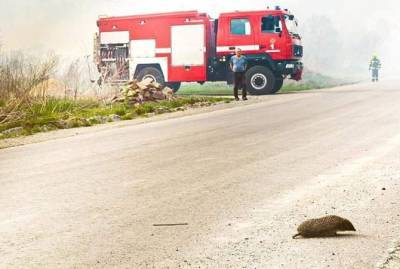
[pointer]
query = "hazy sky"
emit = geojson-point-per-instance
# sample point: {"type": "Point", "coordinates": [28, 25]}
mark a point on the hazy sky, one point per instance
{"type": "Point", "coordinates": [67, 26]}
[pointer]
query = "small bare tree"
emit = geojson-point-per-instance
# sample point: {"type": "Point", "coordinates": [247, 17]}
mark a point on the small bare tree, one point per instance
{"type": "Point", "coordinates": [73, 78]}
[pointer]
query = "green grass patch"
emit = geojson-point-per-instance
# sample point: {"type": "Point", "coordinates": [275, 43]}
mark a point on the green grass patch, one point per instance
{"type": "Point", "coordinates": [297, 87]}
{"type": "Point", "coordinates": [53, 113]}
{"type": "Point", "coordinates": [311, 81]}
{"type": "Point", "coordinates": [221, 89]}
{"type": "Point", "coordinates": [226, 90]}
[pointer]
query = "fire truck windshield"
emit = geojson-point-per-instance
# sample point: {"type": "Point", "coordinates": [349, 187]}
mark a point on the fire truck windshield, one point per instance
{"type": "Point", "coordinates": [291, 25]}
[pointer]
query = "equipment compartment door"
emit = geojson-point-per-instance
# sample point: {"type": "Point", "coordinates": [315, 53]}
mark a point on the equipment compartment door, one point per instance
{"type": "Point", "coordinates": [188, 47]}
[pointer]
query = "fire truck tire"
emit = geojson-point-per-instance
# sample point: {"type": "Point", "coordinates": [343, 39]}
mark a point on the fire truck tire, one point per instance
{"type": "Point", "coordinates": [278, 85]}
{"type": "Point", "coordinates": [151, 72]}
{"type": "Point", "coordinates": [175, 86]}
{"type": "Point", "coordinates": [260, 80]}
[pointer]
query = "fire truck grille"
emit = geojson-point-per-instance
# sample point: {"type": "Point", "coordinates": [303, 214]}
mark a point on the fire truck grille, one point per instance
{"type": "Point", "coordinates": [298, 51]}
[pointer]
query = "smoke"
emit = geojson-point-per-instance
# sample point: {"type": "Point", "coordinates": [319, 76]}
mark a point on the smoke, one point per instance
{"type": "Point", "coordinates": [333, 51]}
{"type": "Point", "coordinates": [339, 36]}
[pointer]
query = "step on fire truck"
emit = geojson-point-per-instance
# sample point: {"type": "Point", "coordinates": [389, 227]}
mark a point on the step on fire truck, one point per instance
{"type": "Point", "coordinates": [172, 48]}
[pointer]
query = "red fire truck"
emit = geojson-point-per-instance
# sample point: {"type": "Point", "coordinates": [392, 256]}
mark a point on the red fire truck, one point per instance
{"type": "Point", "coordinates": [189, 46]}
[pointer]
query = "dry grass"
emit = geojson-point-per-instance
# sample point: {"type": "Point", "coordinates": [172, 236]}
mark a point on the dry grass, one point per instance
{"type": "Point", "coordinates": [19, 76]}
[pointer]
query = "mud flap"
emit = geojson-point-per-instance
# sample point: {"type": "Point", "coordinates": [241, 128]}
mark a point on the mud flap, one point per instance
{"type": "Point", "coordinates": [298, 75]}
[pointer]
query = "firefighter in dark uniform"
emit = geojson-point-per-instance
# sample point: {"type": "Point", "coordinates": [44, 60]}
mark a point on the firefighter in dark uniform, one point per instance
{"type": "Point", "coordinates": [374, 66]}
{"type": "Point", "coordinates": [238, 66]}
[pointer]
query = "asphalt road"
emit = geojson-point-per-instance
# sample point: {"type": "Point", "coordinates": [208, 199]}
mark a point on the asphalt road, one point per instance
{"type": "Point", "coordinates": [242, 179]}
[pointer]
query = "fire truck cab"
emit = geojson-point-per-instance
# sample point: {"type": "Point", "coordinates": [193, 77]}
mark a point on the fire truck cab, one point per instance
{"type": "Point", "coordinates": [172, 48]}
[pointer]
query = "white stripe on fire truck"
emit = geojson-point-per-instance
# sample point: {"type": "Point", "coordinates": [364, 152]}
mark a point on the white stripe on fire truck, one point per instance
{"type": "Point", "coordinates": [169, 50]}
{"type": "Point", "coordinates": [222, 49]}
{"type": "Point", "coordinates": [232, 48]}
{"type": "Point", "coordinates": [163, 50]}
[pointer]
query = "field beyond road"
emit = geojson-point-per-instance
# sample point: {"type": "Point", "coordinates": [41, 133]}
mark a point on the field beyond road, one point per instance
{"type": "Point", "coordinates": [240, 180]}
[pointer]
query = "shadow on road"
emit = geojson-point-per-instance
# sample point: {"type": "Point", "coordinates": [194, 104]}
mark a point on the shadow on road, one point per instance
{"type": "Point", "coordinates": [338, 236]}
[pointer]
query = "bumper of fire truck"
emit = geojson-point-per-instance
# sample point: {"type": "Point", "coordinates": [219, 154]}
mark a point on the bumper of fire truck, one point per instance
{"type": "Point", "coordinates": [293, 69]}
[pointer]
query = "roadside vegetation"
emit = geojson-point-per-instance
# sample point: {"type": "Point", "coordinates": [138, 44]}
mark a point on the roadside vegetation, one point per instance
{"type": "Point", "coordinates": [312, 81]}
{"type": "Point", "coordinates": [45, 115]}
{"type": "Point", "coordinates": [26, 108]}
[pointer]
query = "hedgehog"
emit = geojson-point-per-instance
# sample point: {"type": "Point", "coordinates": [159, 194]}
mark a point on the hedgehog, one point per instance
{"type": "Point", "coordinates": [324, 227]}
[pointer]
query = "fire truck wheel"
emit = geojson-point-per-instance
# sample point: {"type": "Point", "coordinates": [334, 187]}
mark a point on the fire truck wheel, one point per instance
{"type": "Point", "coordinates": [153, 73]}
{"type": "Point", "coordinates": [175, 86]}
{"type": "Point", "coordinates": [278, 85]}
{"type": "Point", "coordinates": [260, 80]}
